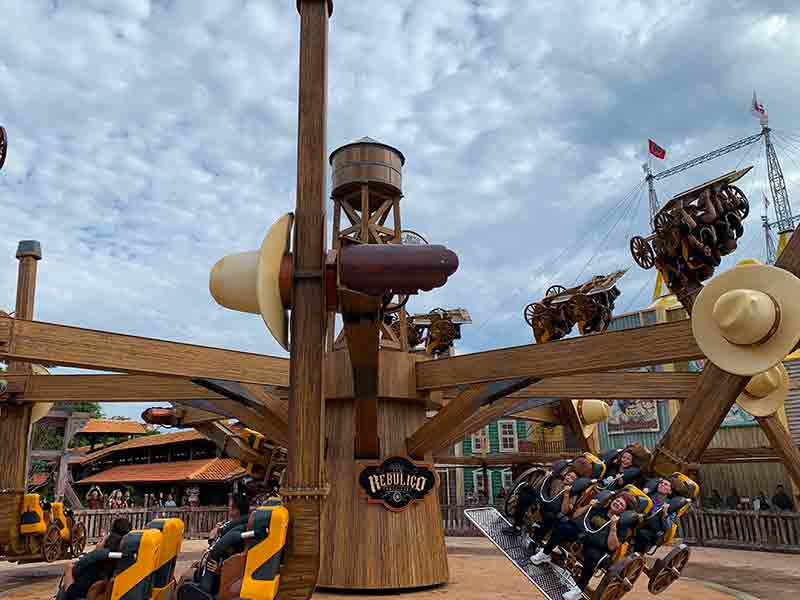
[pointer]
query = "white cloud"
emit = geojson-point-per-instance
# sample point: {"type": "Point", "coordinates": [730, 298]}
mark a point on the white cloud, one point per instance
{"type": "Point", "coordinates": [150, 138]}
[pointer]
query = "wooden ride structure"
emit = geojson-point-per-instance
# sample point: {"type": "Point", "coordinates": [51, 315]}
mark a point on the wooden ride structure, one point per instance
{"type": "Point", "coordinates": [350, 409]}
{"type": "Point", "coordinates": [692, 232]}
{"type": "Point", "coordinates": [589, 305]}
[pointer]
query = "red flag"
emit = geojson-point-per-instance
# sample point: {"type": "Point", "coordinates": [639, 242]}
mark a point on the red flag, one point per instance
{"type": "Point", "coordinates": [656, 150]}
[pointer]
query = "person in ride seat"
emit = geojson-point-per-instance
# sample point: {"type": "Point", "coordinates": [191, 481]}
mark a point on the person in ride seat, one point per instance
{"type": "Point", "coordinates": [658, 520]}
{"type": "Point", "coordinates": [621, 469]}
{"type": "Point", "coordinates": [94, 566]}
{"type": "Point", "coordinates": [238, 513]}
{"type": "Point", "coordinates": [553, 496]}
{"type": "Point", "coordinates": [599, 533]}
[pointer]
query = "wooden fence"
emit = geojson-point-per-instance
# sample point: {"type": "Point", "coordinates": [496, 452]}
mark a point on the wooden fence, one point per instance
{"type": "Point", "coordinates": [747, 530]}
{"type": "Point", "coordinates": [198, 522]}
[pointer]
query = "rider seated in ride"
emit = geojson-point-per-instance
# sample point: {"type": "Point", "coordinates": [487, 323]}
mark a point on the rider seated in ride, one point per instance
{"type": "Point", "coordinates": [552, 493]}
{"type": "Point", "coordinates": [659, 519]}
{"type": "Point", "coordinates": [94, 566]}
{"type": "Point", "coordinates": [622, 468]}
{"type": "Point", "coordinates": [598, 527]}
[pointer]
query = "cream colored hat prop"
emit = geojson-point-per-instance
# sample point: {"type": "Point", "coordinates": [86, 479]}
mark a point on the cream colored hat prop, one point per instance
{"type": "Point", "coordinates": [766, 392]}
{"type": "Point", "coordinates": [590, 413]}
{"type": "Point", "coordinates": [249, 281]}
{"type": "Point", "coordinates": [747, 319]}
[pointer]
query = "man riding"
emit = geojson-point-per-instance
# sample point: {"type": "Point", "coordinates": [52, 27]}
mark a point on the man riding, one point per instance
{"type": "Point", "coordinates": [658, 521]}
{"type": "Point", "coordinates": [600, 535]}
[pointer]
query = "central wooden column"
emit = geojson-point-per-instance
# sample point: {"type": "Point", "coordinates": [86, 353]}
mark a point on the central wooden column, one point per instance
{"type": "Point", "coordinates": [366, 546]}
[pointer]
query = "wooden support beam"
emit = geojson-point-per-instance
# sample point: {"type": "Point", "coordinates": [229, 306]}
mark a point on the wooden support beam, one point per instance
{"type": "Point", "coordinates": [363, 345]}
{"type": "Point", "coordinates": [618, 385]}
{"type": "Point", "coordinates": [48, 343]}
{"type": "Point", "coordinates": [304, 489]}
{"type": "Point", "coordinates": [651, 345]}
{"type": "Point", "coordinates": [710, 456]}
{"type": "Point", "coordinates": [109, 388]}
{"type": "Point", "coordinates": [16, 418]}
{"type": "Point", "coordinates": [783, 445]}
{"type": "Point", "coordinates": [437, 431]}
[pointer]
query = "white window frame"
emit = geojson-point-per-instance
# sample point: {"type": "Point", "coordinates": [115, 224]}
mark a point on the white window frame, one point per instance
{"type": "Point", "coordinates": [507, 479]}
{"type": "Point", "coordinates": [476, 475]}
{"type": "Point", "coordinates": [481, 434]}
{"type": "Point", "coordinates": [500, 436]}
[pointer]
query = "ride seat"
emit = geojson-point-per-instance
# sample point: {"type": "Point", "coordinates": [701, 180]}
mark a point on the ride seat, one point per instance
{"type": "Point", "coordinates": [171, 541]}
{"type": "Point", "coordinates": [59, 517]}
{"type": "Point", "coordinates": [32, 521]}
{"type": "Point", "coordinates": [137, 563]}
{"type": "Point", "coordinates": [262, 571]}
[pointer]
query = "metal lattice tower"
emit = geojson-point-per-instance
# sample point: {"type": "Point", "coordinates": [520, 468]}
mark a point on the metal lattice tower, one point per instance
{"type": "Point", "coordinates": [772, 254]}
{"type": "Point", "coordinates": [651, 189]}
{"type": "Point", "coordinates": [777, 185]}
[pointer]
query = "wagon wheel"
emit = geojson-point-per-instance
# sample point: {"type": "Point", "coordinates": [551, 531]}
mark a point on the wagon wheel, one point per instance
{"type": "Point", "coordinates": [77, 541]}
{"type": "Point", "coordinates": [390, 307]}
{"type": "Point", "coordinates": [669, 569]}
{"type": "Point", "coordinates": [738, 201]}
{"type": "Point", "coordinates": [735, 224]}
{"type": "Point", "coordinates": [51, 544]}
{"type": "Point", "coordinates": [642, 253]}
{"type": "Point", "coordinates": [609, 588]}
{"type": "Point", "coordinates": [554, 290]}
{"type": "Point", "coordinates": [526, 478]}
{"type": "Point", "coordinates": [3, 146]}
{"type": "Point", "coordinates": [533, 311]}
{"type": "Point", "coordinates": [662, 222]}
{"type": "Point", "coordinates": [632, 568]}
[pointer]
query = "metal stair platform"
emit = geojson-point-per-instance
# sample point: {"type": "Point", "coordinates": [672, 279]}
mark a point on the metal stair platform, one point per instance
{"type": "Point", "coordinates": [550, 580]}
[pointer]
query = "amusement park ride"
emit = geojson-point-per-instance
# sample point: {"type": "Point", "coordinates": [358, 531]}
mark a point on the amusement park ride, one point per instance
{"type": "Point", "coordinates": [358, 481]}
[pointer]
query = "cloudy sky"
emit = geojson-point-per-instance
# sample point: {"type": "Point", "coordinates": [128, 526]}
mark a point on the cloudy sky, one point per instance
{"type": "Point", "coordinates": [150, 138]}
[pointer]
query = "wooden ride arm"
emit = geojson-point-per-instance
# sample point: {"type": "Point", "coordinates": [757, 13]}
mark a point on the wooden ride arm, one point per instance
{"type": "Point", "coordinates": [643, 346]}
{"type": "Point", "coordinates": [48, 343]}
{"type": "Point", "coordinates": [701, 415]}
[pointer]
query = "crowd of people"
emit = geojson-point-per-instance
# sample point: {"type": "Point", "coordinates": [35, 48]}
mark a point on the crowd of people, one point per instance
{"type": "Point", "coordinates": [116, 499]}
{"type": "Point", "coordinates": [780, 501]}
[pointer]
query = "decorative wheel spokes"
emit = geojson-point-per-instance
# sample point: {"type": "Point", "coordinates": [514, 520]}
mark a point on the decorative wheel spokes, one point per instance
{"type": "Point", "coordinates": [662, 222]}
{"type": "Point", "coordinates": [78, 542]}
{"type": "Point", "coordinates": [533, 311]}
{"type": "Point", "coordinates": [51, 544]}
{"type": "Point", "coordinates": [554, 290]}
{"type": "Point", "coordinates": [642, 252]}
{"type": "Point", "coordinates": [738, 201]}
{"type": "Point", "coordinates": [671, 569]}
{"type": "Point", "coordinates": [610, 588]}
{"type": "Point", "coordinates": [632, 570]}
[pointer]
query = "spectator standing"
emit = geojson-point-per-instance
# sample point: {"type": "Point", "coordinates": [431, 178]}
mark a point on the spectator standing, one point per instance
{"type": "Point", "coordinates": [732, 501]}
{"type": "Point", "coordinates": [781, 500]}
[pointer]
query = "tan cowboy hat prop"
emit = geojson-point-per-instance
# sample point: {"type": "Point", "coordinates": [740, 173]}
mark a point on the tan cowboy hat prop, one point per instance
{"type": "Point", "coordinates": [747, 319]}
{"type": "Point", "coordinates": [766, 392]}
{"type": "Point", "coordinates": [590, 413]}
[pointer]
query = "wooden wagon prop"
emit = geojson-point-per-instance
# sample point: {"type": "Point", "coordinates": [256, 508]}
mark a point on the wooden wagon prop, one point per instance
{"type": "Point", "coordinates": [693, 231]}
{"type": "Point", "coordinates": [437, 329]}
{"type": "Point", "coordinates": [589, 305]}
{"type": "Point", "coordinates": [32, 530]}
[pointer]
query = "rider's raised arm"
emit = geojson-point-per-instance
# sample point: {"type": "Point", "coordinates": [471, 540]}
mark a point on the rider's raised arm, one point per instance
{"type": "Point", "coordinates": [613, 539]}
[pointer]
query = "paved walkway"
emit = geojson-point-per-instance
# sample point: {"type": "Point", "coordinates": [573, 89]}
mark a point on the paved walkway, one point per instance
{"type": "Point", "coordinates": [479, 572]}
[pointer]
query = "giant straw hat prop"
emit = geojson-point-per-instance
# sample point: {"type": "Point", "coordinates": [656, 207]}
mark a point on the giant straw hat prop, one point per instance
{"type": "Point", "coordinates": [766, 392]}
{"type": "Point", "coordinates": [747, 319]}
{"type": "Point", "coordinates": [590, 413]}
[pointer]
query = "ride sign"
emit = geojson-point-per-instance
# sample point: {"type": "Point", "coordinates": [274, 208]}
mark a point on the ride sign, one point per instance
{"type": "Point", "coordinates": [396, 482]}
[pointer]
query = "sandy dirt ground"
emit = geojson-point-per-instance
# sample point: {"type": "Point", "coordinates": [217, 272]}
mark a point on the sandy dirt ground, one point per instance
{"type": "Point", "coordinates": [479, 572]}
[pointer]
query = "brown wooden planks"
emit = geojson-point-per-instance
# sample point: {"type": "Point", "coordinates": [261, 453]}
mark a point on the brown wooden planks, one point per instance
{"type": "Point", "coordinates": [113, 388]}
{"type": "Point", "coordinates": [655, 344]}
{"type": "Point", "coordinates": [783, 445]}
{"type": "Point", "coordinates": [48, 343]}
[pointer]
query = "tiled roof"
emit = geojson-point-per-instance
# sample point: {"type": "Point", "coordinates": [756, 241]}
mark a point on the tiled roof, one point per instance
{"type": "Point", "coordinates": [209, 469]}
{"type": "Point", "coordinates": [190, 435]}
{"type": "Point", "coordinates": [111, 426]}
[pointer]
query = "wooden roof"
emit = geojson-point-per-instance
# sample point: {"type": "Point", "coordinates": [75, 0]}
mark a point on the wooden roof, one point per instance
{"type": "Point", "coordinates": [113, 427]}
{"type": "Point", "coordinates": [147, 441]}
{"type": "Point", "coordinates": [209, 470]}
